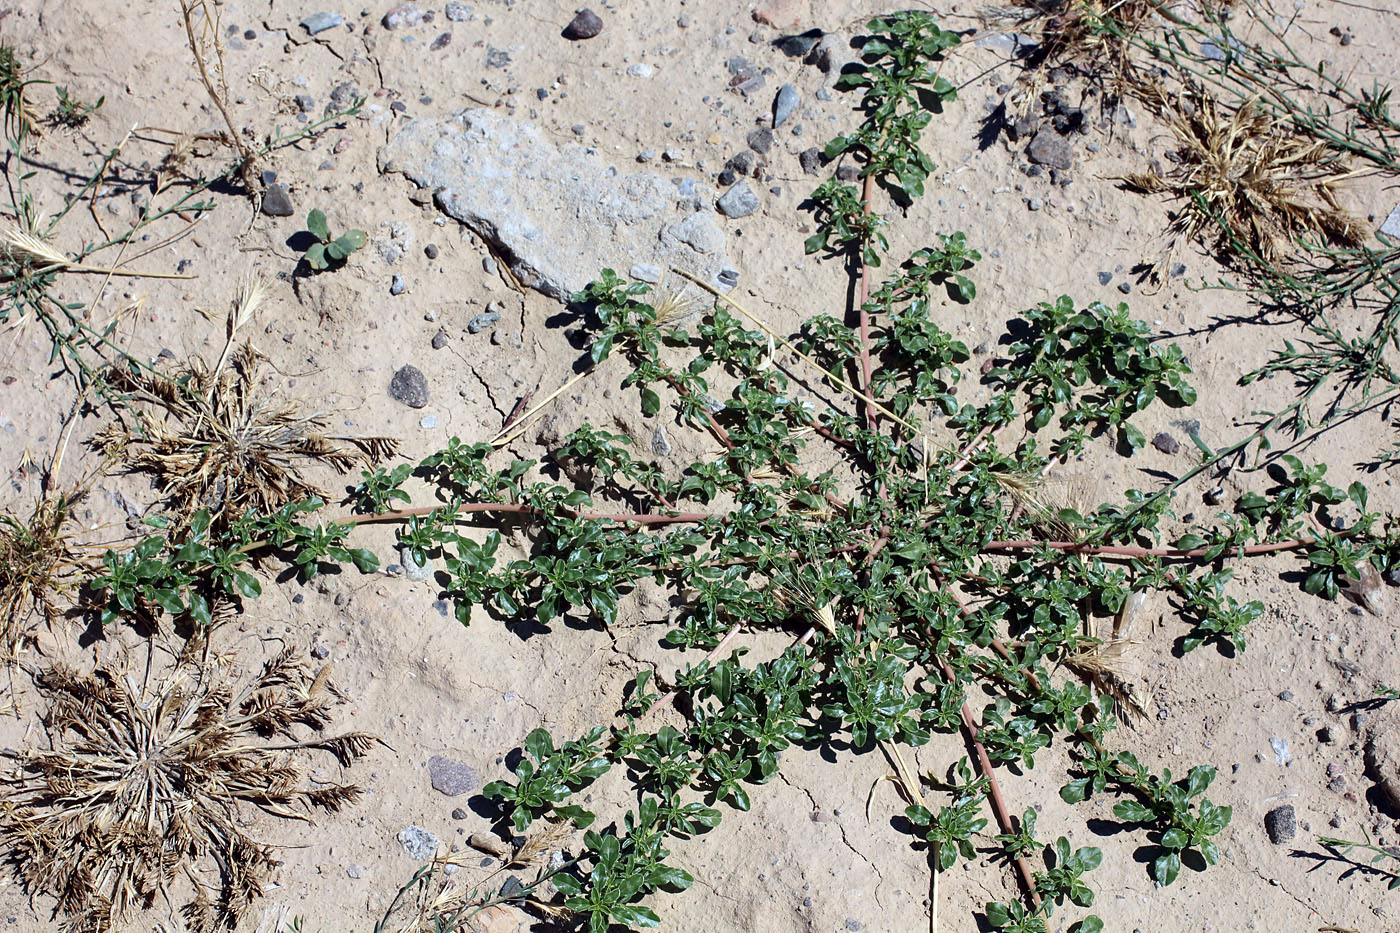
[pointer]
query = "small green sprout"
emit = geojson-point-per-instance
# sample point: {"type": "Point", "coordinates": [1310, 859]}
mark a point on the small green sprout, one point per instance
{"type": "Point", "coordinates": [328, 251]}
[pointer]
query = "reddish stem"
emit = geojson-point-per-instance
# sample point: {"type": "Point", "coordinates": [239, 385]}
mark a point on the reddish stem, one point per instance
{"type": "Point", "coordinates": [1119, 550]}
{"type": "Point", "coordinates": [518, 508]}
{"type": "Point", "coordinates": [871, 418]}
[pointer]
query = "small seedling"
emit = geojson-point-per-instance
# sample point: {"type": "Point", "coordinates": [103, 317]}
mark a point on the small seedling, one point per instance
{"type": "Point", "coordinates": [72, 112]}
{"type": "Point", "coordinates": [328, 251]}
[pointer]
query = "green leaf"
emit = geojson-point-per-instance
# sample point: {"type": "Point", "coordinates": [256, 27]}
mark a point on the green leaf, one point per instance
{"type": "Point", "coordinates": [651, 402]}
{"type": "Point", "coordinates": [353, 240]}
{"type": "Point", "coordinates": [1131, 811]}
{"type": "Point", "coordinates": [316, 256]}
{"type": "Point", "coordinates": [1166, 868]}
{"type": "Point", "coordinates": [316, 223]}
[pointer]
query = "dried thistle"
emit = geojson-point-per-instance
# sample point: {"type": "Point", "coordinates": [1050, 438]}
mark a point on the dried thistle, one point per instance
{"type": "Point", "coordinates": [39, 566]}
{"type": "Point", "coordinates": [1247, 180]}
{"type": "Point", "coordinates": [214, 443]}
{"type": "Point", "coordinates": [146, 783]}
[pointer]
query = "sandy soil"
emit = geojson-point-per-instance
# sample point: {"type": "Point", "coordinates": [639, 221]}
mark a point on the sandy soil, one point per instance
{"type": "Point", "coordinates": [809, 856]}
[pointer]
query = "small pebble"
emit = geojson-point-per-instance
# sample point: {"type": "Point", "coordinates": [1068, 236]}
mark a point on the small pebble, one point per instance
{"type": "Point", "coordinates": [396, 285]}
{"type": "Point", "coordinates": [421, 844]}
{"type": "Point", "coordinates": [646, 155]}
{"type": "Point", "coordinates": [409, 386]}
{"type": "Point", "coordinates": [354, 871]}
{"type": "Point", "coordinates": [452, 777]}
{"type": "Point", "coordinates": [277, 201]}
{"type": "Point", "coordinates": [402, 16]}
{"type": "Point", "coordinates": [760, 140]}
{"type": "Point", "coordinates": [482, 321]}
{"type": "Point", "coordinates": [1165, 443]}
{"type": "Point", "coordinates": [645, 272]}
{"type": "Point", "coordinates": [585, 25]}
{"type": "Point", "coordinates": [784, 104]}
{"type": "Point", "coordinates": [320, 652]}
{"type": "Point", "coordinates": [428, 422]}
{"type": "Point", "coordinates": [458, 12]}
{"type": "Point", "coordinates": [439, 340]}
{"type": "Point", "coordinates": [1281, 824]}
{"type": "Point", "coordinates": [641, 70]}
{"type": "Point", "coordinates": [738, 201]}
{"type": "Point", "coordinates": [1105, 278]}
{"type": "Point", "coordinates": [660, 444]}
{"type": "Point", "coordinates": [1034, 204]}
{"type": "Point", "coordinates": [320, 22]}
{"type": "Point", "coordinates": [1125, 287]}
{"type": "Point", "coordinates": [431, 251]}
{"type": "Point", "coordinates": [441, 42]}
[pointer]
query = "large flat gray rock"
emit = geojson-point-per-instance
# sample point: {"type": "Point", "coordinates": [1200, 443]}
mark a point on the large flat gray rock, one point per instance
{"type": "Point", "coordinates": [557, 212]}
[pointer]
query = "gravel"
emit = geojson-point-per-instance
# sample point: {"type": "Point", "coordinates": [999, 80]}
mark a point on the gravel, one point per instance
{"type": "Point", "coordinates": [1050, 149]}
{"type": "Point", "coordinates": [409, 386]}
{"type": "Point", "coordinates": [760, 140]}
{"type": "Point", "coordinates": [811, 160]}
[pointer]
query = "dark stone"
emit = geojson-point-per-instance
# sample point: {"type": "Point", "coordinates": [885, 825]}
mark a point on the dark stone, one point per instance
{"type": "Point", "coordinates": [1105, 278]}
{"type": "Point", "coordinates": [744, 163]}
{"type": "Point", "coordinates": [439, 340]}
{"type": "Point", "coordinates": [1166, 443]}
{"type": "Point", "coordinates": [431, 251]}
{"type": "Point", "coordinates": [739, 201]}
{"type": "Point", "coordinates": [277, 201]}
{"type": "Point", "coordinates": [848, 172]}
{"type": "Point", "coordinates": [727, 177]}
{"type": "Point", "coordinates": [760, 140]}
{"type": "Point", "coordinates": [585, 25]}
{"type": "Point", "coordinates": [1281, 824]}
{"type": "Point", "coordinates": [320, 652]}
{"type": "Point", "coordinates": [798, 45]}
{"type": "Point", "coordinates": [811, 160]}
{"type": "Point", "coordinates": [409, 386]}
{"type": "Point", "coordinates": [459, 814]}
{"type": "Point", "coordinates": [1050, 149]}
{"type": "Point", "coordinates": [482, 321]}
{"type": "Point", "coordinates": [441, 42]}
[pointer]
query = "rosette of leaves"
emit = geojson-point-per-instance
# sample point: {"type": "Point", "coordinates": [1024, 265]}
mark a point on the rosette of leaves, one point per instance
{"type": "Point", "coordinates": [330, 251]}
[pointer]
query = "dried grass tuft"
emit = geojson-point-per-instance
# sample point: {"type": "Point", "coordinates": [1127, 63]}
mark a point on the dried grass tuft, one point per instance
{"type": "Point", "coordinates": [39, 567]}
{"type": "Point", "coordinates": [1247, 180]}
{"type": "Point", "coordinates": [1108, 664]}
{"type": "Point", "coordinates": [214, 442]}
{"type": "Point", "coordinates": [148, 783]}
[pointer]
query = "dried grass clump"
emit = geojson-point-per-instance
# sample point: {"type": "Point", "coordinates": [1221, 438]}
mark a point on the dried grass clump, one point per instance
{"type": "Point", "coordinates": [1108, 665]}
{"type": "Point", "coordinates": [39, 567]}
{"type": "Point", "coordinates": [147, 782]}
{"type": "Point", "coordinates": [1249, 182]}
{"type": "Point", "coordinates": [214, 442]}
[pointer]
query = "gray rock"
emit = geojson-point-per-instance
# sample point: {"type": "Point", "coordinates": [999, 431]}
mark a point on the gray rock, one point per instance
{"type": "Point", "coordinates": [320, 22]}
{"type": "Point", "coordinates": [441, 42]}
{"type": "Point", "coordinates": [646, 155]}
{"type": "Point", "coordinates": [697, 231]}
{"type": "Point", "coordinates": [784, 104]}
{"type": "Point", "coordinates": [645, 272]}
{"type": "Point", "coordinates": [459, 814]}
{"type": "Point", "coordinates": [585, 25]}
{"type": "Point", "coordinates": [1034, 204]}
{"type": "Point", "coordinates": [529, 197]}
{"type": "Point", "coordinates": [497, 58]}
{"type": "Point", "coordinates": [409, 386]}
{"type": "Point", "coordinates": [439, 340]}
{"type": "Point", "coordinates": [739, 201]}
{"type": "Point", "coordinates": [811, 160]}
{"type": "Point", "coordinates": [418, 842]}
{"type": "Point", "coordinates": [458, 12]}
{"type": "Point", "coordinates": [831, 54]}
{"type": "Point", "coordinates": [1215, 48]}
{"type": "Point", "coordinates": [1281, 823]}
{"type": "Point", "coordinates": [760, 140]}
{"type": "Point", "coordinates": [1105, 277]}
{"type": "Point", "coordinates": [1050, 148]}
{"type": "Point", "coordinates": [660, 444]}
{"type": "Point", "coordinates": [402, 17]}
{"type": "Point", "coordinates": [320, 652]}
{"type": "Point", "coordinates": [1165, 443]}
{"type": "Point", "coordinates": [482, 321]}
{"type": "Point", "coordinates": [305, 103]}
{"type": "Point", "coordinates": [354, 871]}
{"type": "Point", "coordinates": [412, 569]}
{"type": "Point", "coordinates": [452, 777]}
{"type": "Point", "coordinates": [277, 201]}
{"type": "Point", "coordinates": [742, 163]}
{"type": "Point", "coordinates": [641, 70]}
{"type": "Point", "coordinates": [1391, 227]}
{"type": "Point", "coordinates": [427, 422]}
{"type": "Point", "coordinates": [396, 284]}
